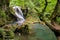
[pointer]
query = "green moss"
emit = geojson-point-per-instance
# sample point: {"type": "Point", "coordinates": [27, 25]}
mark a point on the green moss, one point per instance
{"type": "Point", "coordinates": [2, 13]}
{"type": "Point", "coordinates": [2, 31]}
{"type": "Point", "coordinates": [9, 34]}
{"type": "Point", "coordinates": [6, 33]}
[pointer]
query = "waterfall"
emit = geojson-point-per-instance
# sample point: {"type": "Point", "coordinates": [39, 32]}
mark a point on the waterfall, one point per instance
{"type": "Point", "coordinates": [19, 15]}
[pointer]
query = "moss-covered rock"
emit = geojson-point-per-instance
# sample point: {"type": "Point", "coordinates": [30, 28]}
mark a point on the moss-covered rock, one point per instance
{"type": "Point", "coordinates": [6, 33]}
{"type": "Point", "coordinates": [9, 34]}
{"type": "Point", "coordinates": [2, 33]}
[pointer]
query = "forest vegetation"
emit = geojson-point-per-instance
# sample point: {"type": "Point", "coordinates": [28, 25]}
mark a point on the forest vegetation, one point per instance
{"type": "Point", "coordinates": [44, 12]}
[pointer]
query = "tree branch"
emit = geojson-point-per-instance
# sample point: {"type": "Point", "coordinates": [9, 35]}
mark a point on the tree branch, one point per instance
{"type": "Point", "coordinates": [41, 15]}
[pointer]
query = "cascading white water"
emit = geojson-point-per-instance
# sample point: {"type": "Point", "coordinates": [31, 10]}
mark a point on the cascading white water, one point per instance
{"type": "Point", "coordinates": [19, 15]}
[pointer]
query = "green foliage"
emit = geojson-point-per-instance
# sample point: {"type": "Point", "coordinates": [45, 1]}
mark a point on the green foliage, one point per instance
{"type": "Point", "coordinates": [17, 3]}
{"type": "Point", "coordinates": [36, 7]}
{"type": "Point", "coordinates": [9, 34]}
{"type": "Point", "coordinates": [58, 20]}
{"type": "Point", "coordinates": [38, 4]}
{"type": "Point", "coordinates": [51, 6]}
{"type": "Point", "coordinates": [2, 14]}
{"type": "Point", "coordinates": [2, 32]}
{"type": "Point", "coordinates": [5, 33]}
